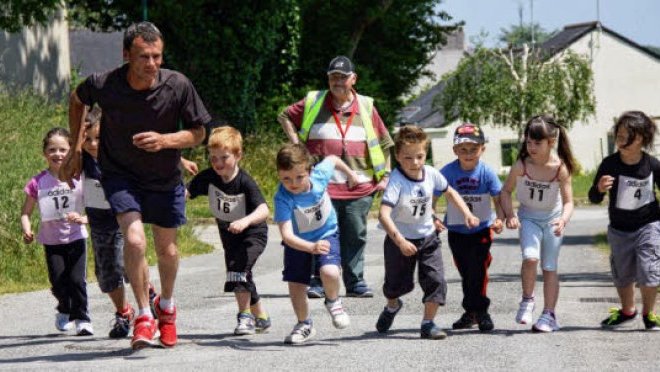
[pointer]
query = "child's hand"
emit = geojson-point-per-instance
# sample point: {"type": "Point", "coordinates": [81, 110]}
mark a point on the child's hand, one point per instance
{"type": "Point", "coordinates": [382, 184]}
{"type": "Point", "coordinates": [321, 247]}
{"type": "Point", "coordinates": [352, 179]}
{"type": "Point", "coordinates": [407, 248]}
{"type": "Point", "coordinates": [512, 223]}
{"type": "Point", "coordinates": [559, 224]}
{"type": "Point", "coordinates": [497, 226]}
{"type": "Point", "coordinates": [28, 237]}
{"type": "Point", "coordinates": [439, 226]}
{"type": "Point", "coordinates": [75, 217]}
{"type": "Point", "coordinates": [471, 221]}
{"type": "Point", "coordinates": [605, 183]}
{"type": "Point", "coordinates": [238, 226]}
{"type": "Point", "coordinates": [189, 166]}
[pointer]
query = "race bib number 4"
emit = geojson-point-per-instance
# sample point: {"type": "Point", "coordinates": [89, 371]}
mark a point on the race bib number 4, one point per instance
{"type": "Point", "coordinates": [479, 206]}
{"type": "Point", "coordinates": [313, 217]}
{"type": "Point", "coordinates": [94, 195]}
{"type": "Point", "coordinates": [55, 203]}
{"type": "Point", "coordinates": [225, 207]}
{"type": "Point", "coordinates": [634, 193]}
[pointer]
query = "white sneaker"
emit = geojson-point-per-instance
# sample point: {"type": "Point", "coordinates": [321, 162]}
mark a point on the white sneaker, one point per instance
{"type": "Point", "coordinates": [62, 322]}
{"type": "Point", "coordinates": [301, 333]}
{"type": "Point", "coordinates": [546, 323]}
{"type": "Point", "coordinates": [339, 317]}
{"type": "Point", "coordinates": [84, 328]}
{"type": "Point", "coordinates": [245, 324]}
{"type": "Point", "coordinates": [525, 312]}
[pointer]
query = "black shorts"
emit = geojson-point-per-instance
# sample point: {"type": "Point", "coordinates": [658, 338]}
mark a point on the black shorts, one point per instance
{"type": "Point", "coordinates": [241, 253]}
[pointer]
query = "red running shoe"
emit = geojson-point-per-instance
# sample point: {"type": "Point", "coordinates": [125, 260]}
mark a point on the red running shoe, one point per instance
{"type": "Point", "coordinates": [143, 332]}
{"type": "Point", "coordinates": [166, 324]}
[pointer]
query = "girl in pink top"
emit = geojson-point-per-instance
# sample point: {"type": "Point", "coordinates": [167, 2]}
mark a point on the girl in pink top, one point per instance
{"type": "Point", "coordinates": [61, 232]}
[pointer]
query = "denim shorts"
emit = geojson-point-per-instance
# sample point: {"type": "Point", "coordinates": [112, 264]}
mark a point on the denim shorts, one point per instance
{"type": "Point", "coordinates": [162, 208]}
{"type": "Point", "coordinates": [537, 238]}
{"type": "Point", "coordinates": [298, 264]}
{"type": "Point", "coordinates": [108, 258]}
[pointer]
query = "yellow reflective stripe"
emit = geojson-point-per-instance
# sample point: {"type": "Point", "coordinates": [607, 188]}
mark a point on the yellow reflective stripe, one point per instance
{"type": "Point", "coordinates": [375, 152]}
{"type": "Point", "coordinates": [313, 102]}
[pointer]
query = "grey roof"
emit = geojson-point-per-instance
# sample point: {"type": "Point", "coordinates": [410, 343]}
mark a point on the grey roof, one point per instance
{"type": "Point", "coordinates": [95, 51]}
{"type": "Point", "coordinates": [421, 111]}
{"type": "Point", "coordinates": [572, 33]}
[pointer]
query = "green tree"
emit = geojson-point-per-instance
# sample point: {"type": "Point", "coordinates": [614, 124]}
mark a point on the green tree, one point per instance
{"type": "Point", "coordinates": [248, 58]}
{"type": "Point", "coordinates": [517, 35]}
{"type": "Point", "coordinates": [506, 88]}
{"type": "Point", "coordinates": [14, 14]}
{"type": "Point", "coordinates": [389, 42]}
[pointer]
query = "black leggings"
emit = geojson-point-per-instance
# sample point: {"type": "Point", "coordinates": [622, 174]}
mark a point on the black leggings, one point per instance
{"type": "Point", "coordinates": [67, 265]}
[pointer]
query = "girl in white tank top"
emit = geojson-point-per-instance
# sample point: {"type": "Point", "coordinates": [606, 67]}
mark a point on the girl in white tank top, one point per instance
{"type": "Point", "coordinates": [542, 181]}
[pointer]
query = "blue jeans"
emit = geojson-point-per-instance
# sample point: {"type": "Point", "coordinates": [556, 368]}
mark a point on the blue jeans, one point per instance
{"type": "Point", "coordinates": [352, 220]}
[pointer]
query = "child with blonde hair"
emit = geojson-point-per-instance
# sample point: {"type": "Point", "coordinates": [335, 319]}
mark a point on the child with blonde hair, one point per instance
{"type": "Point", "coordinates": [240, 211]}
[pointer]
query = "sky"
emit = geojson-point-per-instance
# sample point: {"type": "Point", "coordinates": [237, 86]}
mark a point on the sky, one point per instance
{"type": "Point", "coordinates": [638, 20]}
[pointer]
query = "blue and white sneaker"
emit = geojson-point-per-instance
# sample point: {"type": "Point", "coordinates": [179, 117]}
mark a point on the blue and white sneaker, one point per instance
{"type": "Point", "coordinates": [62, 322]}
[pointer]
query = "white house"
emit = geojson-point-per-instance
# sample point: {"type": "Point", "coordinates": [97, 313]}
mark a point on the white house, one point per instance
{"type": "Point", "coordinates": [626, 77]}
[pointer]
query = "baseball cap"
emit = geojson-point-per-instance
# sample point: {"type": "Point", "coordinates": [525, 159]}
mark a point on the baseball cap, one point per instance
{"type": "Point", "coordinates": [341, 64]}
{"type": "Point", "coordinates": [469, 133]}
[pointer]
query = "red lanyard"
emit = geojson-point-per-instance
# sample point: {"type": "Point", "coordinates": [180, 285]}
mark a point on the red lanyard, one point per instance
{"type": "Point", "coordinates": [348, 123]}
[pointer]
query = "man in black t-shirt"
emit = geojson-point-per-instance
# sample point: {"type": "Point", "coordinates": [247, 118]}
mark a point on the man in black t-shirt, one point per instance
{"type": "Point", "coordinates": [139, 156]}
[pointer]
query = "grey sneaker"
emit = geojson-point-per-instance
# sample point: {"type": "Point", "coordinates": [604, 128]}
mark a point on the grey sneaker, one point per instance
{"type": "Point", "coordinates": [302, 332]}
{"type": "Point", "coordinates": [432, 332]}
{"type": "Point", "coordinates": [262, 325]}
{"type": "Point", "coordinates": [245, 324]}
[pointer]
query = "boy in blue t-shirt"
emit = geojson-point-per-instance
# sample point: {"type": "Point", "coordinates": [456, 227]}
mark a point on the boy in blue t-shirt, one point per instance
{"type": "Point", "coordinates": [308, 225]}
{"type": "Point", "coordinates": [478, 184]}
{"type": "Point", "coordinates": [406, 214]}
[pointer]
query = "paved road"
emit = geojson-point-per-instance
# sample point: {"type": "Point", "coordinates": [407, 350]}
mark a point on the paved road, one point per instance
{"type": "Point", "coordinates": [207, 318]}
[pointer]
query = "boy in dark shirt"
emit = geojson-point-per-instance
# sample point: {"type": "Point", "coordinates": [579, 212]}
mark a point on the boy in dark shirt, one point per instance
{"type": "Point", "coordinates": [240, 211]}
{"type": "Point", "coordinates": [629, 176]}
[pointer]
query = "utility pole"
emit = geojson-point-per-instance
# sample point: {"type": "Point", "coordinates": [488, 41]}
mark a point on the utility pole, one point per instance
{"type": "Point", "coordinates": [531, 22]}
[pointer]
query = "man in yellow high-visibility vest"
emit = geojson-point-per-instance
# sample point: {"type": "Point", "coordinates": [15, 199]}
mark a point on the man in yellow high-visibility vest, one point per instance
{"type": "Point", "coordinates": [341, 122]}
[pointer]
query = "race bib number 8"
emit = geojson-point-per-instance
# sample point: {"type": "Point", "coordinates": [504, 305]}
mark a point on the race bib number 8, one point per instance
{"type": "Point", "coordinates": [634, 193]}
{"type": "Point", "coordinates": [479, 206]}
{"type": "Point", "coordinates": [55, 203]}
{"type": "Point", "coordinates": [225, 207]}
{"type": "Point", "coordinates": [313, 217]}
